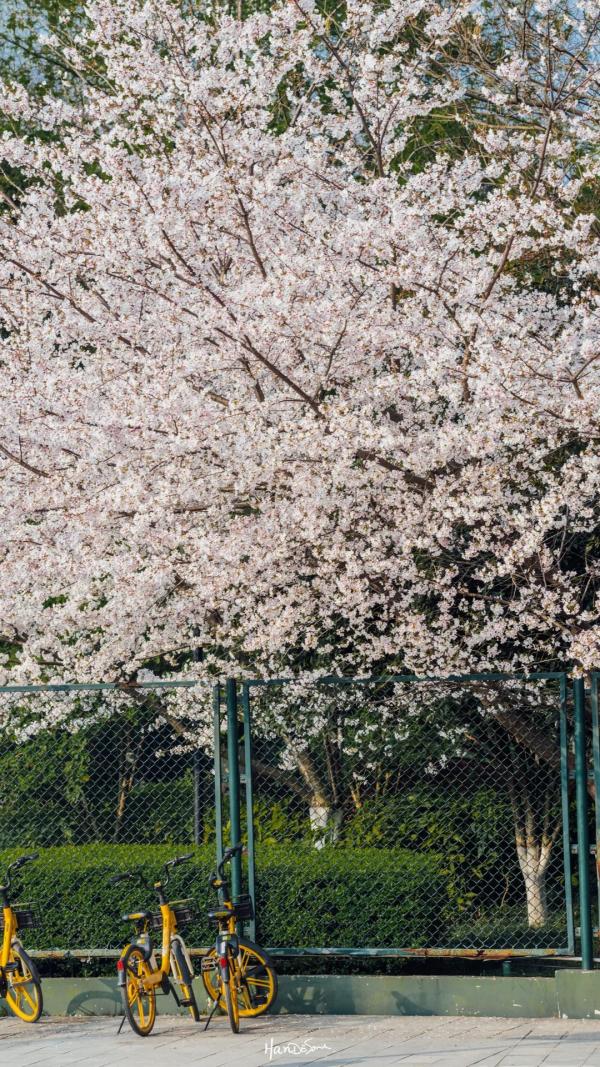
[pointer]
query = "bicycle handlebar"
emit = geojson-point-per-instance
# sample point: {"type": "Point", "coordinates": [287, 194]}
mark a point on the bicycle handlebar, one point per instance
{"type": "Point", "coordinates": [17, 864]}
{"type": "Point", "coordinates": [174, 863]}
{"type": "Point", "coordinates": [227, 856]}
{"type": "Point", "coordinates": [178, 860]}
{"type": "Point", "coordinates": [118, 878]}
{"type": "Point", "coordinates": [126, 876]}
{"type": "Point", "coordinates": [22, 861]}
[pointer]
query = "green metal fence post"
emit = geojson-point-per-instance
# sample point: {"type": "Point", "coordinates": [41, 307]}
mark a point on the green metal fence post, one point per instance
{"type": "Point", "coordinates": [233, 775]}
{"type": "Point", "coordinates": [596, 752]}
{"type": "Point", "coordinates": [197, 779]}
{"type": "Point", "coordinates": [218, 774]}
{"type": "Point", "coordinates": [251, 926]}
{"type": "Point", "coordinates": [583, 843]}
{"type": "Point", "coordinates": [564, 734]}
{"type": "Point", "coordinates": [197, 776]}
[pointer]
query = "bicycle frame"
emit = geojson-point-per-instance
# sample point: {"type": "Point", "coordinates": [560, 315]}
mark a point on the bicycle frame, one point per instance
{"type": "Point", "coordinates": [9, 917]}
{"type": "Point", "coordinates": [9, 937]}
{"type": "Point", "coordinates": [234, 961]}
{"type": "Point", "coordinates": [227, 934]}
{"type": "Point", "coordinates": [20, 983]}
{"type": "Point", "coordinates": [158, 975]}
{"type": "Point", "coordinates": [140, 977]}
{"type": "Point", "coordinates": [144, 941]}
{"type": "Point", "coordinates": [229, 927]}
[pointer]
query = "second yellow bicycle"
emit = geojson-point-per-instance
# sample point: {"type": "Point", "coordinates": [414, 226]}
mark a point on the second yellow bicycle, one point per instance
{"type": "Point", "coordinates": [238, 974]}
{"type": "Point", "coordinates": [140, 975]}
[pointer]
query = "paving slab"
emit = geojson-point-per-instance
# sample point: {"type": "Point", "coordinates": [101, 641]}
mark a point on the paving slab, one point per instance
{"type": "Point", "coordinates": [288, 1040]}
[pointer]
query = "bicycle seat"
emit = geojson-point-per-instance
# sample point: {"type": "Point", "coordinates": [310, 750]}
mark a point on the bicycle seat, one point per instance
{"type": "Point", "coordinates": [137, 915]}
{"type": "Point", "coordinates": [220, 913]}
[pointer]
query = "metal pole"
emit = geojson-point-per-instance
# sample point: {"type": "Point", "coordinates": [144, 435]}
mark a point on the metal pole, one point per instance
{"type": "Point", "coordinates": [249, 802]}
{"type": "Point", "coordinates": [234, 781]}
{"type": "Point", "coordinates": [197, 798]}
{"type": "Point", "coordinates": [596, 751]}
{"type": "Point", "coordinates": [218, 775]}
{"type": "Point", "coordinates": [565, 807]}
{"type": "Point", "coordinates": [197, 777]}
{"type": "Point", "coordinates": [583, 843]}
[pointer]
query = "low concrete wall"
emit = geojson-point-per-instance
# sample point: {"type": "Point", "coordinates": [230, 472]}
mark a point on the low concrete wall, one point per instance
{"type": "Point", "coordinates": [578, 994]}
{"type": "Point", "coordinates": [419, 995]}
{"type": "Point", "coordinates": [568, 994]}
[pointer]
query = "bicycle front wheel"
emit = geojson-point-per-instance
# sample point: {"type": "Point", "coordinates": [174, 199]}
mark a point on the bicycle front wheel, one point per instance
{"type": "Point", "coordinates": [258, 981]}
{"type": "Point", "coordinates": [24, 988]}
{"type": "Point", "coordinates": [139, 998]}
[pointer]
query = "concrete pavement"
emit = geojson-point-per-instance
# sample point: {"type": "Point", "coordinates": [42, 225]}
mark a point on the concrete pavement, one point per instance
{"type": "Point", "coordinates": [331, 1040]}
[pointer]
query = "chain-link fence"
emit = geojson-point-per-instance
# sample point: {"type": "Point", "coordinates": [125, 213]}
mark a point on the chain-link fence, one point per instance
{"type": "Point", "coordinates": [383, 816]}
{"type": "Point", "coordinates": [100, 779]}
{"type": "Point", "coordinates": [424, 816]}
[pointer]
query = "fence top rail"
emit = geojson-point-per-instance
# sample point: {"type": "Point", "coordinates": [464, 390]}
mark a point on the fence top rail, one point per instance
{"type": "Point", "coordinates": [97, 687]}
{"type": "Point", "coordinates": [331, 679]}
{"type": "Point", "coordinates": [293, 951]}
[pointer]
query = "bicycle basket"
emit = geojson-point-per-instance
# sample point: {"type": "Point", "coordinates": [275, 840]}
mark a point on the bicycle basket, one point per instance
{"type": "Point", "coordinates": [26, 916]}
{"type": "Point", "coordinates": [184, 911]}
{"type": "Point", "coordinates": [156, 921]}
{"type": "Point", "coordinates": [243, 907]}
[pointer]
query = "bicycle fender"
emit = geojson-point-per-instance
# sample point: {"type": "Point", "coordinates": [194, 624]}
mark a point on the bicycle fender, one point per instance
{"type": "Point", "coordinates": [258, 948]}
{"type": "Point", "coordinates": [189, 977]}
{"type": "Point", "coordinates": [227, 941]}
{"type": "Point", "coordinates": [145, 944]}
{"type": "Point", "coordinates": [121, 979]}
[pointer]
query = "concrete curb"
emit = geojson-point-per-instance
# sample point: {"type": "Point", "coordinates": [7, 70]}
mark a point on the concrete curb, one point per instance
{"type": "Point", "coordinates": [569, 994]}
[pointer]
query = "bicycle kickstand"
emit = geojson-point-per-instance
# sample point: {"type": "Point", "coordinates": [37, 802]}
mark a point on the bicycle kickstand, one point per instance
{"type": "Point", "coordinates": [121, 1025]}
{"type": "Point", "coordinates": [214, 1008]}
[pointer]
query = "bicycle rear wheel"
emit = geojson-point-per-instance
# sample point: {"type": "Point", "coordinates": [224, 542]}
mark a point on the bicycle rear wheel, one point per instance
{"type": "Point", "coordinates": [258, 980]}
{"type": "Point", "coordinates": [139, 999]}
{"type": "Point", "coordinates": [24, 988]}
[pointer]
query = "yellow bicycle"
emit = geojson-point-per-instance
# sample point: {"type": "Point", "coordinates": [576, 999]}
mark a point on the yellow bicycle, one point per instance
{"type": "Point", "coordinates": [140, 976]}
{"type": "Point", "coordinates": [238, 975]}
{"type": "Point", "coordinates": [20, 983]}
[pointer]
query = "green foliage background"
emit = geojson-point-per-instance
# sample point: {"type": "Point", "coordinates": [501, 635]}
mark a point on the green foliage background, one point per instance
{"type": "Point", "coordinates": [307, 896]}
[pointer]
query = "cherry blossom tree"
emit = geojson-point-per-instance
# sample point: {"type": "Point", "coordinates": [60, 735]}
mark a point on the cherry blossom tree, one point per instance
{"type": "Point", "coordinates": [300, 339]}
{"type": "Point", "coordinates": [341, 751]}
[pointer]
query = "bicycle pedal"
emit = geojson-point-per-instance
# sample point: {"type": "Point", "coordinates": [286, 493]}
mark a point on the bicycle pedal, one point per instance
{"type": "Point", "coordinates": [208, 965]}
{"type": "Point", "coordinates": [184, 1003]}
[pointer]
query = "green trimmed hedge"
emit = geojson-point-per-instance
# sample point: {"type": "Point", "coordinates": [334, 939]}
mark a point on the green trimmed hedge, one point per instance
{"type": "Point", "coordinates": [349, 897]}
{"type": "Point", "coordinates": [306, 897]}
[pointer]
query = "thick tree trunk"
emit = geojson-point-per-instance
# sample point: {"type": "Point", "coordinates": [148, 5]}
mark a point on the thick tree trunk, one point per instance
{"type": "Point", "coordinates": [325, 823]}
{"type": "Point", "coordinates": [535, 837]}
{"type": "Point", "coordinates": [125, 787]}
{"type": "Point", "coordinates": [325, 817]}
{"type": "Point", "coordinates": [533, 866]}
{"type": "Point", "coordinates": [127, 777]}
